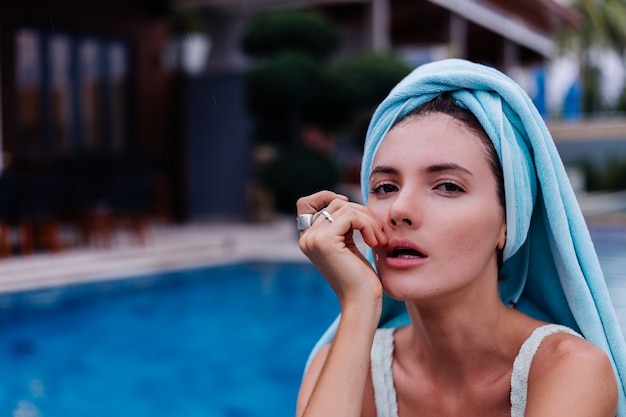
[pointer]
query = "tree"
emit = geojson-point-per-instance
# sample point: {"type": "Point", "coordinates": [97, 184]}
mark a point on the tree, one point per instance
{"type": "Point", "coordinates": [299, 98]}
{"type": "Point", "coordinates": [366, 79]}
{"type": "Point", "coordinates": [290, 85]}
{"type": "Point", "coordinates": [603, 29]}
{"type": "Point", "coordinates": [273, 33]}
{"type": "Point", "coordinates": [289, 88]}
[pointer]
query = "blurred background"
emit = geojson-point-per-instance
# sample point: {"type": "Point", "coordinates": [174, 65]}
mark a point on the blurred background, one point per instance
{"type": "Point", "coordinates": [189, 128]}
{"type": "Point", "coordinates": [121, 113]}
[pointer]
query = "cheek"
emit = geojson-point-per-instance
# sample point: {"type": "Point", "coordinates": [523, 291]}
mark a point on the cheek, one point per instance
{"type": "Point", "coordinates": [460, 239]}
{"type": "Point", "coordinates": [477, 232]}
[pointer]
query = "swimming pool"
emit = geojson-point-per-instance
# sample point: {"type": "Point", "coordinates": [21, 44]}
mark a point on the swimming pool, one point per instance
{"type": "Point", "coordinates": [227, 341]}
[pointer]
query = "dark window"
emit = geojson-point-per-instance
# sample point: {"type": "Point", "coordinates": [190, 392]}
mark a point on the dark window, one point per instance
{"type": "Point", "coordinates": [71, 92]}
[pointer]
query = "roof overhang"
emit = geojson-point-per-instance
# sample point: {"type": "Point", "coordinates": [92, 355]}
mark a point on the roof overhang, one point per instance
{"type": "Point", "coordinates": [496, 19]}
{"type": "Point", "coordinates": [253, 5]}
{"type": "Point", "coordinates": [507, 26]}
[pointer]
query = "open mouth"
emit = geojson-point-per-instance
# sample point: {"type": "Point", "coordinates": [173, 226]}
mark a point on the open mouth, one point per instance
{"type": "Point", "coordinates": [406, 253]}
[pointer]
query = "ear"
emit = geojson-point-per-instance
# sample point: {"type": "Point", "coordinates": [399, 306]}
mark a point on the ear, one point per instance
{"type": "Point", "coordinates": [502, 238]}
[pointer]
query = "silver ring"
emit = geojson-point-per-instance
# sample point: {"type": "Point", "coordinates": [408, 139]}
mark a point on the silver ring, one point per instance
{"type": "Point", "coordinates": [304, 221]}
{"type": "Point", "coordinates": [328, 216]}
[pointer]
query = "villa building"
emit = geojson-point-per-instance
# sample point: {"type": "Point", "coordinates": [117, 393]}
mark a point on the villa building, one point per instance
{"type": "Point", "coordinates": [91, 101]}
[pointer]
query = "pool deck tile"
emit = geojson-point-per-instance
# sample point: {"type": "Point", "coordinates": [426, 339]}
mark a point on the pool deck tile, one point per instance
{"type": "Point", "coordinates": [168, 248]}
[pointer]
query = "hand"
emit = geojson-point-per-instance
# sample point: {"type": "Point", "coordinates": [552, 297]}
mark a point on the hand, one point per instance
{"type": "Point", "coordinates": [331, 247]}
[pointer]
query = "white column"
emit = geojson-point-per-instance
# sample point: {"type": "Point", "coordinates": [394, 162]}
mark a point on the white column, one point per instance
{"type": "Point", "coordinates": [380, 24]}
{"type": "Point", "coordinates": [458, 35]}
{"type": "Point", "coordinates": [510, 56]}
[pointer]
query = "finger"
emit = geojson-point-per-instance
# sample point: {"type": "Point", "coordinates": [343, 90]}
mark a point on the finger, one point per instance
{"type": "Point", "coordinates": [322, 216]}
{"type": "Point", "coordinates": [359, 218]}
{"type": "Point", "coordinates": [374, 235]}
{"type": "Point", "coordinates": [371, 230]}
{"type": "Point", "coordinates": [314, 202]}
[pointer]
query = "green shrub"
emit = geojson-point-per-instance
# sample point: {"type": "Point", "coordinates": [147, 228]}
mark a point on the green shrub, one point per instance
{"type": "Point", "coordinates": [296, 174]}
{"type": "Point", "coordinates": [304, 31]}
{"type": "Point", "coordinates": [368, 77]}
{"type": "Point", "coordinates": [610, 177]}
{"type": "Point", "coordinates": [290, 90]}
{"type": "Point", "coordinates": [615, 174]}
{"type": "Point", "coordinates": [294, 85]}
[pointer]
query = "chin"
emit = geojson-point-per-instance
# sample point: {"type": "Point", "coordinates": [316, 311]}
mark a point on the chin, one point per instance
{"type": "Point", "coordinates": [409, 286]}
{"type": "Point", "coordinates": [402, 288]}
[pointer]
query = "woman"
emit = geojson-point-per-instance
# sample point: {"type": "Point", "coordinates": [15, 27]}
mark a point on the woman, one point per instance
{"type": "Point", "coordinates": [477, 244]}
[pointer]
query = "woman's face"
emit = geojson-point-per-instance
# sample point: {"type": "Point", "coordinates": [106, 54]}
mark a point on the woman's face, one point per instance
{"type": "Point", "coordinates": [435, 193]}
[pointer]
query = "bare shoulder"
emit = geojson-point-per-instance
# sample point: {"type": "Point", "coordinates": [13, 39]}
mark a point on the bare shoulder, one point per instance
{"type": "Point", "coordinates": [571, 376]}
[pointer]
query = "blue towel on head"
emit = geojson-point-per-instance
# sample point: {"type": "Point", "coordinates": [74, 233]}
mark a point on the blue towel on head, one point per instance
{"type": "Point", "coordinates": [551, 270]}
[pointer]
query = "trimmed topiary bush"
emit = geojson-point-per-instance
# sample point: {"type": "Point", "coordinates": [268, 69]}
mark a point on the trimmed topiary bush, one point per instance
{"type": "Point", "coordinates": [298, 173]}
{"type": "Point", "coordinates": [292, 30]}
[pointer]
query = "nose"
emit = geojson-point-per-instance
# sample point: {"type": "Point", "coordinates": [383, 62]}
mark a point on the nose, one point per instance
{"type": "Point", "coordinates": [404, 210]}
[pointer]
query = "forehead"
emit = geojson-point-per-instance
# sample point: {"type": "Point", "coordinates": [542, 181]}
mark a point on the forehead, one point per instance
{"type": "Point", "coordinates": [428, 136]}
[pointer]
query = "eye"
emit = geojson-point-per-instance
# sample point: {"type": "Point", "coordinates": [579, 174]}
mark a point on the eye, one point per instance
{"type": "Point", "coordinates": [450, 187]}
{"type": "Point", "coordinates": [383, 188]}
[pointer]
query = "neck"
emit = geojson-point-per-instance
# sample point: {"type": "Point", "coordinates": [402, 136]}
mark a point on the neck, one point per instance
{"type": "Point", "coordinates": [460, 341]}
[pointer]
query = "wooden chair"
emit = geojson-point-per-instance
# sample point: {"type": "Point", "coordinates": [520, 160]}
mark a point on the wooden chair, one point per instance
{"type": "Point", "coordinates": [7, 214]}
{"type": "Point", "coordinates": [39, 208]}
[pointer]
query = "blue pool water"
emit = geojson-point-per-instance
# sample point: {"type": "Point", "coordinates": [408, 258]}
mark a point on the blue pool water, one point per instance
{"type": "Point", "coordinates": [226, 341]}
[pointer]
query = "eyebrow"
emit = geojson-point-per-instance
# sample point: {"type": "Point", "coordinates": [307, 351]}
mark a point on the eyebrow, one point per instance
{"type": "Point", "coordinates": [384, 169]}
{"type": "Point", "coordinates": [447, 167]}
